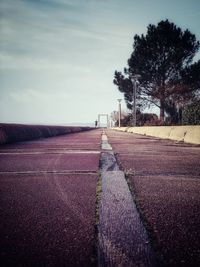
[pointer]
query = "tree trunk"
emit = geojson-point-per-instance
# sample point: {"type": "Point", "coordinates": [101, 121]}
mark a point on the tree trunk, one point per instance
{"type": "Point", "coordinates": [162, 112]}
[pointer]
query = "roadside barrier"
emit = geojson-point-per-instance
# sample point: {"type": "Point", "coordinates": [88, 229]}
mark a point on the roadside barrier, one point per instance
{"type": "Point", "coordinates": [188, 134]}
{"type": "Point", "coordinates": [10, 133]}
{"type": "Point", "coordinates": [193, 135]}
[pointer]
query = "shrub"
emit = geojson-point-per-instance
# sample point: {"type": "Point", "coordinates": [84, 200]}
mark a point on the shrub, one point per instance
{"type": "Point", "coordinates": [191, 114]}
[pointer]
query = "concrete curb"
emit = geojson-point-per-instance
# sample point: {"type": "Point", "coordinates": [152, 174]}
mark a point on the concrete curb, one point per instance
{"type": "Point", "coordinates": [188, 134]}
{"type": "Point", "coordinates": [123, 239]}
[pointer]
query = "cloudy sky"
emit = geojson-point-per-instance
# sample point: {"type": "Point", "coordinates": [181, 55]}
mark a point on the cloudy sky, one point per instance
{"type": "Point", "coordinates": [58, 57]}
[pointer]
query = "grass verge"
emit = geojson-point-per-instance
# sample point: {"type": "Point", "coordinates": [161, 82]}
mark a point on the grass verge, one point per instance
{"type": "Point", "coordinates": [98, 201]}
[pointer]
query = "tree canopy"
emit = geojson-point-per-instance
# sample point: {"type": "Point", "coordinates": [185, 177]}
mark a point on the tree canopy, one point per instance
{"type": "Point", "coordinates": [164, 60]}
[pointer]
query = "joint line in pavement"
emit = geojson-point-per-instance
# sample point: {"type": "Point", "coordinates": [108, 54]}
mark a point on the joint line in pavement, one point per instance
{"type": "Point", "coordinates": [63, 172]}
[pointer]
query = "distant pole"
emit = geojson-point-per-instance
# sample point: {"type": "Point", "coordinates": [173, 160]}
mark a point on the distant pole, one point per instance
{"type": "Point", "coordinates": [119, 100]}
{"type": "Point", "coordinates": [134, 80]}
{"type": "Point", "coordinates": [134, 104]}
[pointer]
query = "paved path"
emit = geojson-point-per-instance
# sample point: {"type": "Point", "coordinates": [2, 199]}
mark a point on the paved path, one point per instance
{"type": "Point", "coordinates": [48, 201]}
{"type": "Point", "coordinates": [123, 240]}
{"type": "Point", "coordinates": [165, 180]}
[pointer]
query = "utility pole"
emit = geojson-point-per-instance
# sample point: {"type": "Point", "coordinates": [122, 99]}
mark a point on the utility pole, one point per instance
{"type": "Point", "coordinates": [119, 100]}
{"type": "Point", "coordinates": [134, 80]}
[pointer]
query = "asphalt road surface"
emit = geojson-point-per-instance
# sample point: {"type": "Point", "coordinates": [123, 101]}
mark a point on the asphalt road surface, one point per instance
{"type": "Point", "coordinates": [48, 201]}
{"type": "Point", "coordinates": [164, 177]}
{"type": "Point", "coordinates": [48, 198]}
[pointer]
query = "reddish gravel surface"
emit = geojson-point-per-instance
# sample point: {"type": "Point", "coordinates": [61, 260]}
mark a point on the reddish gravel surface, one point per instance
{"type": "Point", "coordinates": [49, 162]}
{"type": "Point", "coordinates": [165, 177]}
{"type": "Point", "coordinates": [47, 219]}
{"type": "Point", "coordinates": [83, 140]}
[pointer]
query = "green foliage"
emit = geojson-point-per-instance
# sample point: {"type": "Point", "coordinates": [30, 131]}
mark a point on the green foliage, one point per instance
{"type": "Point", "coordinates": [191, 114]}
{"type": "Point", "coordinates": [147, 119]}
{"type": "Point", "coordinates": [142, 119]}
{"type": "Point", "coordinates": [163, 59]}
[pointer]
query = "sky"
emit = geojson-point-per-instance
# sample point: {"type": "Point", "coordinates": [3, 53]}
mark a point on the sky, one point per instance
{"type": "Point", "coordinates": [58, 57]}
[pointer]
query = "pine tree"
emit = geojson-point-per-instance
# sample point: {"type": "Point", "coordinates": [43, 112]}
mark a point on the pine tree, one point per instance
{"type": "Point", "coordinates": [164, 60]}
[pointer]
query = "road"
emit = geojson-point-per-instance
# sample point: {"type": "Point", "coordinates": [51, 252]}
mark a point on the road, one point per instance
{"type": "Point", "coordinates": [48, 201]}
{"type": "Point", "coordinates": [164, 177]}
{"type": "Point", "coordinates": [48, 198]}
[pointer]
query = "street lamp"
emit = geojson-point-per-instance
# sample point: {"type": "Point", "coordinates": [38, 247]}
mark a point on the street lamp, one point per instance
{"type": "Point", "coordinates": [119, 100]}
{"type": "Point", "coordinates": [134, 80]}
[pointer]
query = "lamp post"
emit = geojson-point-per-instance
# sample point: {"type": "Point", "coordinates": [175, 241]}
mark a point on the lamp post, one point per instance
{"type": "Point", "coordinates": [134, 80]}
{"type": "Point", "coordinates": [119, 100]}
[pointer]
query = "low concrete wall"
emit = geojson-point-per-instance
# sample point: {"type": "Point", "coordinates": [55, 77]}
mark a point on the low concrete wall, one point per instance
{"type": "Point", "coordinates": [10, 133]}
{"type": "Point", "coordinates": [193, 135]}
{"type": "Point", "coordinates": [188, 134]}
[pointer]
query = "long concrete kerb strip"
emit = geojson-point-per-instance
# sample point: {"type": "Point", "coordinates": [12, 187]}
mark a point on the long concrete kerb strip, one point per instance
{"type": "Point", "coordinates": [104, 142]}
{"type": "Point", "coordinates": [123, 240]}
